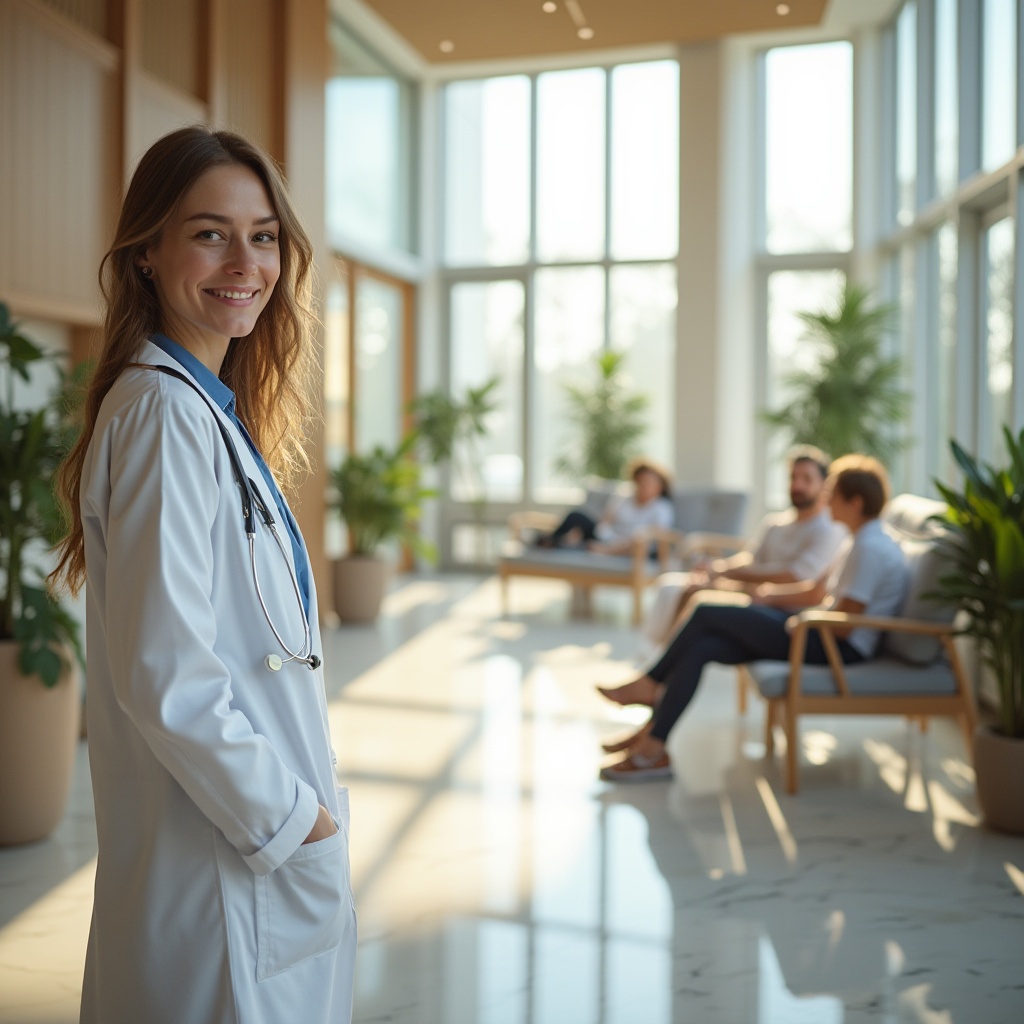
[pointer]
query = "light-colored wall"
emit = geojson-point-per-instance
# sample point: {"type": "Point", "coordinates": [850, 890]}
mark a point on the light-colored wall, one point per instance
{"type": "Point", "coordinates": [87, 85]}
{"type": "Point", "coordinates": [57, 85]}
{"type": "Point", "coordinates": [697, 368]}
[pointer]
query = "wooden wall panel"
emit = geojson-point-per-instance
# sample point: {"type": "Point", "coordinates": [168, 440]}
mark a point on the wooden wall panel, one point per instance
{"type": "Point", "coordinates": [89, 14]}
{"type": "Point", "coordinates": [59, 162]}
{"type": "Point", "coordinates": [156, 110]}
{"type": "Point", "coordinates": [171, 42]}
{"type": "Point", "coordinates": [252, 70]}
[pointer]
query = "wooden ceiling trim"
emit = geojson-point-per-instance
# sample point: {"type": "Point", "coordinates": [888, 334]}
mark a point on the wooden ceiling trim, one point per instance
{"type": "Point", "coordinates": [444, 31]}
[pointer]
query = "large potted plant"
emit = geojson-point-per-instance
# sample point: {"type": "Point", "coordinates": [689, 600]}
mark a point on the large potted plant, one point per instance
{"type": "Point", "coordinates": [608, 420]}
{"type": "Point", "coordinates": [986, 581]}
{"type": "Point", "coordinates": [40, 651]}
{"type": "Point", "coordinates": [379, 497]}
{"type": "Point", "coordinates": [449, 429]}
{"type": "Point", "coordinates": [851, 399]}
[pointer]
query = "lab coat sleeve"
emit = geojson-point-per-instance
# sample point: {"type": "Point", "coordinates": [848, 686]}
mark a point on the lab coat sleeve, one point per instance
{"type": "Point", "coordinates": [164, 494]}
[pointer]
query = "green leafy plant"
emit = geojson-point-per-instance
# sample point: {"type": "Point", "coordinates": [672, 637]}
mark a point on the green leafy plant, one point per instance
{"type": "Point", "coordinates": [608, 419]}
{"type": "Point", "coordinates": [449, 429]}
{"type": "Point", "coordinates": [852, 399]}
{"type": "Point", "coordinates": [32, 443]}
{"type": "Point", "coordinates": [379, 497]}
{"type": "Point", "coordinates": [985, 549]}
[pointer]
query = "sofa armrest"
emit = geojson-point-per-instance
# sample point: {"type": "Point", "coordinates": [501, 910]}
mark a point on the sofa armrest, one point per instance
{"type": "Point", "coordinates": [531, 520]}
{"type": "Point", "coordinates": [820, 619]}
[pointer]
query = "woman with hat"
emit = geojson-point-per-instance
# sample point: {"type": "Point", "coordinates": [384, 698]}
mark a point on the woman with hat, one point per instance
{"type": "Point", "coordinates": [650, 505]}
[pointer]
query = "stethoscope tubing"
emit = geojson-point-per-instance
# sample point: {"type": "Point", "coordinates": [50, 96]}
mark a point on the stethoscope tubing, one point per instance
{"type": "Point", "coordinates": [251, 499]}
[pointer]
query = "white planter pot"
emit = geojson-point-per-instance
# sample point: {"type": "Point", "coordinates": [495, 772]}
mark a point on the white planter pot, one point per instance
{"type": "Point", "coordinates": [38, 738]}
{"type": "Point", "coordinates": [999, 771]}
{"type": "Point", "coordinates": [359, 582]}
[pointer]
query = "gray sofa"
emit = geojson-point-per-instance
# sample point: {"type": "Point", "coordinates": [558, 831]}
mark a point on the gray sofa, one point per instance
{"type": "Point", "coordinates": [697, 510]}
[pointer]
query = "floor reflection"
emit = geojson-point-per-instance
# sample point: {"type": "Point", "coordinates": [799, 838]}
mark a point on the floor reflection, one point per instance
{"type": "Point", "coordinates": [498, 882]}
{"type": "Point", "coordinates": [508, 885]}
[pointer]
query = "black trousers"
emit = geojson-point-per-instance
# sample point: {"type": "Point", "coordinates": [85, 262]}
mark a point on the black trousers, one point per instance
{"type": "Point", "coordinates": [575, 520]}
{"type": "Point", "coordinates": [730, 636]}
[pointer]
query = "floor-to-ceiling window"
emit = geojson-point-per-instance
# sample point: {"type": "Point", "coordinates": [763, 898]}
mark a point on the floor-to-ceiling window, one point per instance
{"type": "Point", "coordinates": [560, 233]}
{"type": "Point", "coordinates": [807, 215]}
{"type": "Point", "coordinates": [951, 89]}
{"type": "Point", "coordinates": [369, 297]}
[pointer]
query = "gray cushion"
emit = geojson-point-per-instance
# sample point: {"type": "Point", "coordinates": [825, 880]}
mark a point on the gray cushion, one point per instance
{"type": "Point", "coordinates": [925, 563]}
{"type": "Point", "coordinates": [710, 511]}
{"type": "Point", "coordinates": [910, 519]}
{"type": "Point", "coordinates": [888, 677]}
{"type": "Point", "coordinates": [519, 555]}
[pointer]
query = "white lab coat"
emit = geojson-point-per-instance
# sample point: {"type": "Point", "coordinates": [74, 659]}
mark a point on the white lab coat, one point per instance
{"type": "Point", "coordinates": [207, 767]}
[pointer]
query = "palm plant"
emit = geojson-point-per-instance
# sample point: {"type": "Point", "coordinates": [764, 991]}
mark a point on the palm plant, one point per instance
{"type": "Point", "coordinates": [449, 430]}
{"type": "Point", "coordinates": [32, 444]}
{"type": "Point", "coordinates": [609, 422]}
{"type": "Point", "coordinates": [379, 497]}
{"type": "Point", "coordinates": [852, 399]}
{"type": "Point", "coordinates": [986, 568]}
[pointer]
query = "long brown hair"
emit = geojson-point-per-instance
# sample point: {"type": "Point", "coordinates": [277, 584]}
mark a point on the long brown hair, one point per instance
{"type": "Point", "coordinates": [269, 370]}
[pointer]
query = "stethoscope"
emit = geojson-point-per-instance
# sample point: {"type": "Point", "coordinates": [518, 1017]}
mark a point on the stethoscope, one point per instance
{"type": "Point", "coordinates": [251, 501]}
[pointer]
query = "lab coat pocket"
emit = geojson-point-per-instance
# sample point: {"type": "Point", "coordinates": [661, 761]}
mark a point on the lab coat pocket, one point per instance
{"type": "Point", "coordinates": [303, 907]}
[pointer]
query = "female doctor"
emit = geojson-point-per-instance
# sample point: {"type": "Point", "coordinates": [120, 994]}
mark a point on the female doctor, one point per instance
{"type": "Point", "coordinates": [222, 881]}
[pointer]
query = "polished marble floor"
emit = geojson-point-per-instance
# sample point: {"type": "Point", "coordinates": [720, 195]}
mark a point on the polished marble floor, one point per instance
{"type": "Point", "coordinates": [498, 882]}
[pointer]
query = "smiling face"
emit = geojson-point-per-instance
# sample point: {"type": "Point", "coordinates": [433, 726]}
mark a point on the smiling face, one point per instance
{"type": "Point", "coordinates": [217, 261]}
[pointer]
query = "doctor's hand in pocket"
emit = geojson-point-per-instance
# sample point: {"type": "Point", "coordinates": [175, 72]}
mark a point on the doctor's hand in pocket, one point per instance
{"type": "Point", "coordinates": [323, 828]}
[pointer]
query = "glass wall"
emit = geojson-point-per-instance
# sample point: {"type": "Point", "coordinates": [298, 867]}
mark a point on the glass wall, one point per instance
{"type": "Point", "coordinates": [959, 305]}
{"type": "Point", "coordinates": [809, 137]}
{"type": "Point", "coordinates": [370, 127]}
{"type": "Point", "coordinates": [560, 234]}
{"type": "Point", "coordinates": [808, 219]}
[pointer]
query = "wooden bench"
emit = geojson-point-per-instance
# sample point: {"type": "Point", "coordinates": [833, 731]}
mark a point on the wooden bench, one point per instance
{"type": "Point", "coordinates": [697, 511]}
{"type": "Point", "coordinates": [919, 673]}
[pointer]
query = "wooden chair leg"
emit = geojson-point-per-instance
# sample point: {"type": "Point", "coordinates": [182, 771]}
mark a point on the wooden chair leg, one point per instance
{"type": "Point", "coordinates": [967, 728]}
{"type": "Point", "coordinates": [638, 605]}
{"type": "Point", "coordinates": [741, 690]}
{"type": "Point", "coordinates": [769, 728]}
{"type": "Point", "coordinates": [792, 743]}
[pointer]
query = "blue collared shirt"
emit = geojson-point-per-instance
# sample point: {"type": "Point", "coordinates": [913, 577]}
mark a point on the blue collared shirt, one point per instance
{"type": "Point", "coordinates": [224, 397]}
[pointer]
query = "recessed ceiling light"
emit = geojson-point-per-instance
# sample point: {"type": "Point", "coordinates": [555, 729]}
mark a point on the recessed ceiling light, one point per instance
{"type": "Point", "coordinates": [782, 10]}
{"type": "Point", "coordinates": [446, 46]}
{"type": "Point", "coordinates": [550, 7]}
{"type": "Point", "coordinates": [586, 32]}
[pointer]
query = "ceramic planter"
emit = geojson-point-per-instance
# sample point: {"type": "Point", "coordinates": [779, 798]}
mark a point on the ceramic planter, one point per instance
{"type": "Point", "coordinates": [359, 582]}
{"type": "Point", "coordinates": [38, 738]}
{"type": "Point", "coordinates": [999, 770]}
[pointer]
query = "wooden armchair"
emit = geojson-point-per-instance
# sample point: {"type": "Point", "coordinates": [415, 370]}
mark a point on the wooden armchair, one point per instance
{"type": "Point", "coordinates": [883, 686]}
{"type": "Point", "coordinates": [918, 674]}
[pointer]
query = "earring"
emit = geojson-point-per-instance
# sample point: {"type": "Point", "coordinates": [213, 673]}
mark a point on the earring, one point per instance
{"type": "Point", "coordinates": [146, 272]}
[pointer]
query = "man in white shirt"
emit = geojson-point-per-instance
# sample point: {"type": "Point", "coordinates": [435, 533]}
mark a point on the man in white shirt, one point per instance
{"type": "Point", "coordinates": [792, 546]}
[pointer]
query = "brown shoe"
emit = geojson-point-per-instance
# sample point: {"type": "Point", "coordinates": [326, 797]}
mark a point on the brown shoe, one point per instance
{"type": "Point", "coordinates": [637, 768]}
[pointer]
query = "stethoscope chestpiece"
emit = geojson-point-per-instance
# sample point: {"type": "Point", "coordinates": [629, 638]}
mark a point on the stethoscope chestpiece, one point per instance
{"type": "Point", "coordinates": [273, 662]}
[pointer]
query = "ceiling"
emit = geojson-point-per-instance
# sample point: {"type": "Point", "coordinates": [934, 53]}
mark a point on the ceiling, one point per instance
{"type": "Point", "coordinates": [460, 30]}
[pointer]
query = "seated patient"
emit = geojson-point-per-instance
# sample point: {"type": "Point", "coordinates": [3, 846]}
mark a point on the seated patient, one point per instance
{"type": "Point", "coordinates": [869, 577]}
{"type": "Point", "coordinates": [798, 544]}
{"type": "Point", "coordinates": [649, 505]}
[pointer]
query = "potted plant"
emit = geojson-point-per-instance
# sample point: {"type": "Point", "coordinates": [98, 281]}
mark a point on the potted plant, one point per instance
{"type": "Point", "coordinates": [609, 421]}
{"type": "Point", "coordinates": [852, 399]}
{"type": "Point", "coordinates": [40, 652]}
{"type": "Point", "coordinates": [986, 581]}
{"type": "Point", "coordinates": [379, 497]}
{"type": "Point", "coordinates": [448, 430]}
